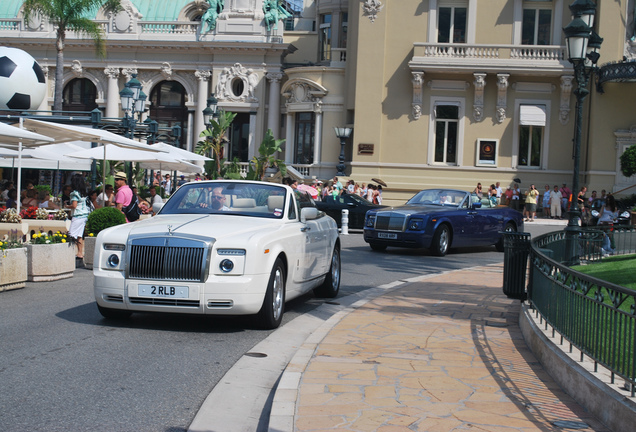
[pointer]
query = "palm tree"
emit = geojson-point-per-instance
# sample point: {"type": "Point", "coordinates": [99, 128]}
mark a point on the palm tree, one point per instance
{"type": "Point", "coordinates": [215, 138]}
{"type": "Point", "coordinates": [69, 15]}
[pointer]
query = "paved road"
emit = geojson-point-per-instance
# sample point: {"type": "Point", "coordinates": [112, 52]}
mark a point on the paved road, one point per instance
{"type": "Point", "coordinates": [62, 367]}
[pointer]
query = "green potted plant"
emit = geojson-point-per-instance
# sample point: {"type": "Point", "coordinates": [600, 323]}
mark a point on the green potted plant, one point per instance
{"type": "Point", "coordinates": [13, 262]}
{"type": "Point", "coordinates": [50, 256]}
{"type": "Point", "coordinates": [97, 221]}
{"type": "Point", "coordinates": [265, 159]}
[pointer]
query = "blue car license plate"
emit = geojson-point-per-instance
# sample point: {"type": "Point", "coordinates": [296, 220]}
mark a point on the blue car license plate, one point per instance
{"type": "Point", "coordinates": [390, 236]}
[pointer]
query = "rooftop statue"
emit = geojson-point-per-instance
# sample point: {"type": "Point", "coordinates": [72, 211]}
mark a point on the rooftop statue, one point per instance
{"type": "Point", "coordinates": [210, 15]}
{"type": "Point", "coordinates": [274, 11]}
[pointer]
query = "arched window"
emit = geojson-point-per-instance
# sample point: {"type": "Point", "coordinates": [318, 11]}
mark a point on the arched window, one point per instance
{"type": "Point", "coordinates": [167, 107]}
{"type": "Point", "coordinates": [79, 95]}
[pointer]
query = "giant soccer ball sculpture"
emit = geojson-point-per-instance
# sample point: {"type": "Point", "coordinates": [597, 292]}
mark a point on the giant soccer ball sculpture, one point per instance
{"type": "Point", "coordinates": [22, 84]}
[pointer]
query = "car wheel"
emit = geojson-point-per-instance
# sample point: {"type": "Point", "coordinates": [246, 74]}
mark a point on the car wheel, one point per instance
{"type": "Point", "coordinates": [510, 227]}
{"type": "Point", "coordinates": [331, 285]}
{"type": "Point", "coordinates": [115, 314]}
{"type": "Point", "coordinates": [441, 241]}
{"type": "Point", "coordinates": [377, 247]}
{"type": "Point", "coordinates": [271, 313]}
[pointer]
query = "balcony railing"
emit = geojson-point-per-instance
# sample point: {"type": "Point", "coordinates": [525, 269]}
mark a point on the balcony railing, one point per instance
{"type": "Point", "coordinates": [486, 57]}
{"type": "Point", "coordinates": [595, 316]}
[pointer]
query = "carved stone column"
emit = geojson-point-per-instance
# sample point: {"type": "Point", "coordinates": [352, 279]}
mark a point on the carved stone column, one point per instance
{"type": "Point", "coordinates": [478, 105]}
{"type": "Point", "coordinates": [417, 79]}
{"type": "Point", "coordinates": [112, 94]}
{"type": "Point", "coordinates": [566, 92]}
{"type": "Point", "coordinates": [273, 115]}
{"type": "Point", "coordinates": [318, 131]}
{"type": "Point", "coordinates": [502, 96]}
{"type": "Point", "coordinates": [203, 77]}
{"type": "Point", "coordinates": [289, 139]}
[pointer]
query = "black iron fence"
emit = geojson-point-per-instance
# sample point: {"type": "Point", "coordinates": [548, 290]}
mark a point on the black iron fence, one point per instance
{"type": "Point", "coordinates": [595, 316]}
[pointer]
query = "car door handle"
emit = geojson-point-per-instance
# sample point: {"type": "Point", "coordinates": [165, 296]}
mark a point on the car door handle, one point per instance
{"type": "Point", "coordinates": [305, 229]}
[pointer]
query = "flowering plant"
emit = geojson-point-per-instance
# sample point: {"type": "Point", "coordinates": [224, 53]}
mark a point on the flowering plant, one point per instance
{"type": "Point", "coordinates": [41, 214]}
{"type": "Point", "coordinates": [29, 212]}
{"type": "Point", "coordinates": [44, 238]}
{"type": "Point", "coordinates": [11, 216]}
{"type": "Point", "coordinates": [11, 241]}
{"type": "Point", "coordinates": [61, 215]}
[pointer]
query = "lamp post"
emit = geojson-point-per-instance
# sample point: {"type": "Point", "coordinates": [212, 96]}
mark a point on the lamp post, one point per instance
{"type": "Point", "coordinates": [133, 102]}
{"type": "Point", "coordinates": [343, 133]}
{"type": "Point", "coordinates": [582, 45]}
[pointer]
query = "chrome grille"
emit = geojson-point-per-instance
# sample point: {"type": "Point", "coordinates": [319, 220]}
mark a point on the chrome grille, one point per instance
{"type": "Point", "coordinates": [388, 221]}
{"type": "Point", "coordinates": [167, 259]}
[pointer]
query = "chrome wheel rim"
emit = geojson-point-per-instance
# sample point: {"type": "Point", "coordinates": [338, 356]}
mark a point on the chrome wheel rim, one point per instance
{"type": "Point", "coordinates": [335, 269]}
{"type": "Point", "coordinates": [443, 240]}
{"type": "Point", "coordinates": [277, 294]}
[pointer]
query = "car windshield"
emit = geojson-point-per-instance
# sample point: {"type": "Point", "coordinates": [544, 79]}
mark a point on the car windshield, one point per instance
{"type": "Point", "coordinates": [441, 197]}
{"type": "Point", "coordinates": [229, 197]}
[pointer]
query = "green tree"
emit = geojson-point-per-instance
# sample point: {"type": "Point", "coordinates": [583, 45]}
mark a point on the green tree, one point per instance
{"type": "Point", "coordinates": [628, 161]}
{"type": "Point", "coordinates": [266, 159]}
{"type": "Point", "coordinates": [214, 140]}
{"type": "Point", "coordinates": [69, 15]}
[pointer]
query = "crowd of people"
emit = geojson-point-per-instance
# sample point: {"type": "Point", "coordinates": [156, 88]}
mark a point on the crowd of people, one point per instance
{"type": "Point", "coordinates": [320, 190]}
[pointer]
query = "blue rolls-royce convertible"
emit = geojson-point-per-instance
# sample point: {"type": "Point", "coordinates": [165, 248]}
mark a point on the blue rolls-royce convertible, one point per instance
{"type": "Point", "coordinates": [438, 219]}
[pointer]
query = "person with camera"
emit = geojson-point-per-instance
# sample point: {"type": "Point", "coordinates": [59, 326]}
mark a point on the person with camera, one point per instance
{"type": "Point", "coordinates": [531, 203]}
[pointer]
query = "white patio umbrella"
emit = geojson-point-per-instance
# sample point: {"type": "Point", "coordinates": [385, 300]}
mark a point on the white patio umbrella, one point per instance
{"type": "Point", "coordinates": [150, 159]}
{"type": "Point", "coordinates": [65, 133]}
{"type": "Point", "coordinates": [177, 165]}
{"type": "Point", "coordinates": [179, 153]}
{"type": "Point", "coordinates": [12, 136]}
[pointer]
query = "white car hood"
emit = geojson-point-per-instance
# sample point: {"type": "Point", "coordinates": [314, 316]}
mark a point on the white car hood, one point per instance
{"type": "Point", "coordinates": [215, 226]}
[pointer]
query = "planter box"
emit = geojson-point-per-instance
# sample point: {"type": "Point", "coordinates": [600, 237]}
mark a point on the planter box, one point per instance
{"type": "Point", "coordinates": [89, 251]}
{"type": "Point", "coordinates": [13, 269]}
{"type": "Point", "coordinates": [47, 226]}
{"type": "Point", "coordinates": [22, 228]}
{"type": "Point", "coordinates": [47, 262]}
{"type": "Point", "coordinates": [633, 218]}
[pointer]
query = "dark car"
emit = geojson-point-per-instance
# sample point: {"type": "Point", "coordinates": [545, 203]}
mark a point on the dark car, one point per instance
{"type": "Point", "coordinates": [594, 212]}
{"type": "Point", "coordinates": [438, 219]}
{"type": "Point", "coordinates": [356, 205]}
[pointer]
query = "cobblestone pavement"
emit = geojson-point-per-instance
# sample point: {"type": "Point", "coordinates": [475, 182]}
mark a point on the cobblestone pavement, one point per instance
{"type": "Point", "coordinates": [443, 353]}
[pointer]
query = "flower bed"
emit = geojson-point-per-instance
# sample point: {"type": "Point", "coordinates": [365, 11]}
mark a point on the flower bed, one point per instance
{"type": "Point", "coordinates": [50, 257]}
{"type": "Point", "coordinates": [13, 268]}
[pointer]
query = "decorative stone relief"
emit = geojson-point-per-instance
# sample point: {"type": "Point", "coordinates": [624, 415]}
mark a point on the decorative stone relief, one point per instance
{"type": "Point", "coordinates": [111, 72]}
{"type": "Point", "coordinates": [166, 71]}
{"type": "Point", "coordinates": [417, 80]}
{"type": "Point", "coordinates": [203, 75]}
{"type": "Point", "coordinates": [566, 91]}
{"type": "Point", "coordinates": [76, 68]}
{"type": "Point", "coordinates": [128, 72]}
{"type": "Point", "coordinates": [478, 105]}
{"type": "Point", "coordinates": [502, 96]}
{"type": "Point", "coordinates": [274, 76]}
{"type": "Point", "coordinates": [237, 84]}
{"type": "Point", "coordinates": [371, 8]}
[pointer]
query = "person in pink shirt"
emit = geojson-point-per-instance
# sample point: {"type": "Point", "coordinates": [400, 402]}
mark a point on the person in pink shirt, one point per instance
{"type": "Point", "coordinates": [124, 194]}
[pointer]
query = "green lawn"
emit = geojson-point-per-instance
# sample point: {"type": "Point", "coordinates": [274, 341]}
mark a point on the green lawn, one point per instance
{"type": "Point", "coordinates": [619, 270]}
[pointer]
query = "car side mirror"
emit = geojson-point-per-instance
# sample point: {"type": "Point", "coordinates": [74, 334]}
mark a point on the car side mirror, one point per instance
{"type": "Point", "coordinates": [476, 205]}
{"type": "Point", "coordinates": [308, 213]}
{"type": "Point", "coordinates": [156, 207]}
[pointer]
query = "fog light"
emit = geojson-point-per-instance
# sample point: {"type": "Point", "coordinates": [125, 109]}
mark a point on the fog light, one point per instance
{"type": "Point", "coordinates": [226, 266]}
{"type": "Point", "coordinates": [113, 260]}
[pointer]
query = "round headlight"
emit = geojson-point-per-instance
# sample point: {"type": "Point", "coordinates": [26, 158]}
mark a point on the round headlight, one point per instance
{"type": "Point", "coordinates": [226, 266]}
{"type": "Point", "coordinates": [113, 260]}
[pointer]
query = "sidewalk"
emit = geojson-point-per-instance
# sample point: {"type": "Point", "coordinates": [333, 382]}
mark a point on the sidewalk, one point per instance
{"type": "Point", "coordinates": [440, 353]}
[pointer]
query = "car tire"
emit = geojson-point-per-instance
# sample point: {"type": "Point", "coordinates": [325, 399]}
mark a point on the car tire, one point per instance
{"type": "Point", "coordinates": [331, 285]}
{"type": "Point", "coordinates": [377, 247]}
{"type": "Point", "coordinates": [510, 227]}
{"type": "Point", "coordinates": [114, 314]}
{"type": "Point", "coordinates": [441, 241]}
{"type": "Point", "coordinates": [271, 313]}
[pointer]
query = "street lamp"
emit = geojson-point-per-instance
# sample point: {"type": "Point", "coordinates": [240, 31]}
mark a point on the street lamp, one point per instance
{"type": "Point", "coordinates": [210, 111]}
{"type": "Point", "coordinates": [582, 50]}
{"type": "Point", "coordinates": [133, 102]}
{"type": "Point", "coordinates": [343, 133]}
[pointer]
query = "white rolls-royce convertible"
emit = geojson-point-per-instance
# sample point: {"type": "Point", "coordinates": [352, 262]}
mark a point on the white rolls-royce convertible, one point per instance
{"type": "Point", "coordinates": [220, 248]}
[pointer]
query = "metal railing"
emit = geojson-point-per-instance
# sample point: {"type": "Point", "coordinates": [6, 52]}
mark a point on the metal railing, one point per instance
{"type": "Point", "coordinates": [595, 316]}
